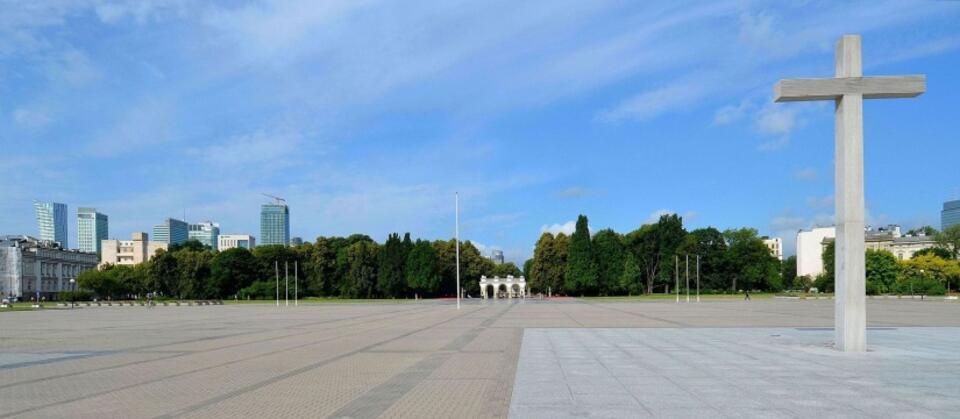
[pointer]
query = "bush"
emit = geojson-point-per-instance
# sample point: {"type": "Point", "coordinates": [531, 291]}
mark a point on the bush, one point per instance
{"type": "Point", "coordinates": [78, 295]}
{"type": "Point", "coordinates": [259, 290]}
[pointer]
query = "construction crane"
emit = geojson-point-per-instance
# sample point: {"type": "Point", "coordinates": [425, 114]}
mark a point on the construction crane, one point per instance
{"type": "Point", "coordinates": [279, 199]}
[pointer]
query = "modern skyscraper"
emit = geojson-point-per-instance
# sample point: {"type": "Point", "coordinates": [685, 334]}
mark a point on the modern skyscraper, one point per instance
{"type": "Point", "coordinates": [206, 233]}
{"type": "Point", "coordinates": [296, 241]}
{"type": "Point", "coordinates": [171, 232]}
{"type": "Point", "coordinates": [52, 221]}
{"type": "Point", "coordinates": [275, 223]}
{"type": "Point", "coordinates": [950, 215]}
{"type": "Point", "coordinates": [91, 229]}
{"type": "Point", "coordinates": [497, 256]}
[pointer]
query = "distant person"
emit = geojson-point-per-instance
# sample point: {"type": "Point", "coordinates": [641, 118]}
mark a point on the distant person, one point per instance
{"type": "Point", "coordinates": [746, 295]}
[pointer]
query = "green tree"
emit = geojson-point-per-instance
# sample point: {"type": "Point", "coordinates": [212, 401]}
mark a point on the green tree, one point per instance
{"type": "Point", "coordinates": [422, 269]}
{"type": "Point", "coordinates": [610, 259]}
{"type": "Point", "coordinates": [273, 260]}
{"type": "Point", "coordinates": [390, 276]}
{"type": "Point", "coordinates": [193, 274]}
{"type": "Point", "coordinates": [361, 276]}
{"type": "Point", "coordinates": [527, 266]}
{"type": "Point", "coordinates": [191, 244]}
{"type": "Point", "coordinates": [881, 271]}
{"type": "Point", "coordinates": [949, 239]}
{"type": "Point", "coordinates": [934, 251]}
{"type": "Point", "coordinates": [752, 266]}
{"type": "Point", "coordinates": [631, 275]}
{"type": "Point", "coordinates": [924, 230]}
{"type": "Point", "coordinates": [232, 270]}
{"type": "Point", "coordinates": [711, 246]}
{"type": "Point", "coordinates": [655, 246]}
{"type": "Point", "coordinates": [163, 275]}
{"type": "Point", "coordinates": [320, 268]}
{"type": "Point", "coordinates": [581, 275]}
{"type": "Point", "coordinates": [788, 271]}
{"type": "Point", "coordinates": [548, 269]}
{"type": "Point", "coordinates": [506, 269]}
{"type": "Point", "coordinates": [99, 282]}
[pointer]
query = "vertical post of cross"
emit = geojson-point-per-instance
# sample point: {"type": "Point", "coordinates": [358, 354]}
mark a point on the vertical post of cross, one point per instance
{"type": "Point", "coordinates": [850, 312]}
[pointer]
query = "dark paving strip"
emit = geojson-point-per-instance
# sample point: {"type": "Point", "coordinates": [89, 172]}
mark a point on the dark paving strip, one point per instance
{"type": "Point", "coordinates": [185, 373]}
{"type": "Point", "coordinates": [67, 356]}
{"type": "Point", "coordinates": [298, 371]}
{"type": "Point", "coordinates": [659, 319]}
{"type": "Point", "coordinates": [377, 400]}
{"type": "Point", "coordinates": [178, 354]}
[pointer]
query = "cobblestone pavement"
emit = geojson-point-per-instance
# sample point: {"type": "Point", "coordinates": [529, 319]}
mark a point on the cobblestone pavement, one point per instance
{"type": "Point", "coordinates": [340, 360]}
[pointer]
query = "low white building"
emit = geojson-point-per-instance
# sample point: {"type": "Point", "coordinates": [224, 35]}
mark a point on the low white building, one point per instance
{"type": "Point", "coordinates": [810, 245]}
{"type": "Point", "coordinates": [135, 251]}
{"type": "Point", "coordinates": [231, 241]}
{"type": "Point", "coordinates": [810, 250]}
{"type": "Point", "coordinates": [776, 246]}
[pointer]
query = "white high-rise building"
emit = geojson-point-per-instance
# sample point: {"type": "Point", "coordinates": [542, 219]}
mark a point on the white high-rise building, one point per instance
{"type": "Point", "coordinates": [52, 221]}
{"type": "Point", "coordinates": [810, 250]}
{"type": "Point", "coordinates": [776, 246]}
{"type": "Point", "coordinates": [91, 229]}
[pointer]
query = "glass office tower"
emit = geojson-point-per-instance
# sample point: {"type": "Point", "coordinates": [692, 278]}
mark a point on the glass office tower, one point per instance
{"type": "Point", "coordinates": [52, 221]}
{"type": "Point", "coordinates": [171, 232]}
{"type": "Point", "coordinates": [91, 229]}
{"type": "Point", "coordinates": [950, 215]}
{"type": "Point", "coordinates": [206, 233]}
{"type": "Point", "coordinates": [274, 224]}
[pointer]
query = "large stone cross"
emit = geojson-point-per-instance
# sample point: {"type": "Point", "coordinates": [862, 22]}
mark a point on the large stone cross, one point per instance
{"type": "Point", "coordinates": [848, 89]}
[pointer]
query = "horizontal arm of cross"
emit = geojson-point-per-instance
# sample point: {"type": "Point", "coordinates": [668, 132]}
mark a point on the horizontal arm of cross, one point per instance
{"type": "Point", "coordinates": [794, 90]}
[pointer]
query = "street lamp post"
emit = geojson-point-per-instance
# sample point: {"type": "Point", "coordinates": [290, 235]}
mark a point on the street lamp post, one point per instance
{"type": "Point", "coordinates": [73, 292]}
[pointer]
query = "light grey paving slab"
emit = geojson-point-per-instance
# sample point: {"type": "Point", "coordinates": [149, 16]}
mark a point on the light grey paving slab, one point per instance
{"type": "Point", "coordinates": [739, 372]}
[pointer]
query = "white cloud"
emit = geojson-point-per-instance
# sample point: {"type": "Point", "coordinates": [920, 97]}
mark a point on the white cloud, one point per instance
{"type": "Point", "coordinates": [572, 192]}
{"type": "Point", "coordinates": [653, 103]}
{"type": "Point", "coordinates": [806, 173]}
{"type": "Point", "coordinates": [73, 67]}
{"type": "Point", "coordinates": [31, 118]}
{"type": "Point", "coordinates": [566, 228]}
{"type": "Point", "coordinates": [776, 120]}
{"type": "Point", "coordinates": [818, 202]}
{"type": "Point", "coordinates": [731, 113]}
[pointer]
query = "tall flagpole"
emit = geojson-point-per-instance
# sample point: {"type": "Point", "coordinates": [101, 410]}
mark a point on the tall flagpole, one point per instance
{"type": "Point", "coordinates": [276, 269]}
{"type": "Point", "coordinates": [698, 278]}
{"type": "Point", "coordinates": [456, 206]}
{"type": "Point", "coordinates": [296, 286]}
{"type": "Point", "coordinates": [676, 276]}
{"type": "Point", "coordinates": [686, 269]}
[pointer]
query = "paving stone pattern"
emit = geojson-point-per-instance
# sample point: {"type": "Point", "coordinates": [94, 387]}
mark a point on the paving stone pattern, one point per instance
{"type": "Point", "coordinates": [387, 360]}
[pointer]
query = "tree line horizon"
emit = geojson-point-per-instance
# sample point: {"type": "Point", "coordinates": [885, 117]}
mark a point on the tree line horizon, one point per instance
{"type": "Point", "coordinates": [606, 263]}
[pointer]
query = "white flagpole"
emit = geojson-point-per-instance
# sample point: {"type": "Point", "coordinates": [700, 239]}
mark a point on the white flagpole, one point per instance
{"type": "Point", "coordinates": [698, 278]}
{"type": "Point", "coordinates": [676, 276]}
{"type": "Point", "coordinates": [686, 269]}
{"type": "Point", "coordinates": [456, 203]}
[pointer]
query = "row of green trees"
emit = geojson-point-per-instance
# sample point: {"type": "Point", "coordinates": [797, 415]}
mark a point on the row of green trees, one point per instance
{"type": "Point", "coordinates": [645, 260]}
{"type": "Point", "coordinates": [354, 266]}
{"type": "Point", "coordinates": [931, 271]}
{"type": "Point", "coordinates": [604, 263]}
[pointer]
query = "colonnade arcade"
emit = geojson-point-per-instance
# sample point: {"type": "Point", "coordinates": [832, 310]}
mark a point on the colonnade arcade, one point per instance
{"type": "Point", "coordinates": [509, 287]}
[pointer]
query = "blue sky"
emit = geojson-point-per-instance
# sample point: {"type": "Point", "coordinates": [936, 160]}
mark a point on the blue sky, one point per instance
{"type": "Point", "coordinates": [368, 115]}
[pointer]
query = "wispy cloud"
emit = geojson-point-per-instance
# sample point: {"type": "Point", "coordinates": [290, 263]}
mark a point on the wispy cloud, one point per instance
{"type": "Point", "coordinates": [806, 174]}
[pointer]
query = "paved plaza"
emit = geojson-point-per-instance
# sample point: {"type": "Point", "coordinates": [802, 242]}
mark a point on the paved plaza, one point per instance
{"type": "Point", "coordinates": [569, 358]}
